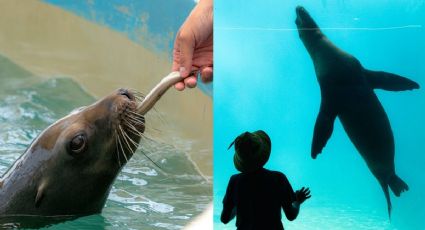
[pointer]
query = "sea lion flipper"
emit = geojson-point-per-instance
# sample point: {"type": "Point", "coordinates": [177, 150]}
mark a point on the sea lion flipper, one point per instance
{"type": "Point", "coordinates": [387, 197]}
{"type": "Point", "coordinates": [389, 81]}
{"type": "Point", "coordinates": [397, 185]}
{"type": "Point", "coordinates": [322, 129]}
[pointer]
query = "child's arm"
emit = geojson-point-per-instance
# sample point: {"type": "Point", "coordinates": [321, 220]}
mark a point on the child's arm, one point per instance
{"type": "Point", "coordinates": [229, 208]}
{"type": "Point", "coordinates": [228, 214]}
{"type": "Point", "coordinates": [290, 205]}
{"type": "Point", "coordinates": [300, 196]}
{"type": "Point", "coordinates": [291, 213]}
{"type": "Point", "coordinates": [292, 201]}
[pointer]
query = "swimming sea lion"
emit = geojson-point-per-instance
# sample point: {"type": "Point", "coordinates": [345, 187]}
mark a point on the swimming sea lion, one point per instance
{"type": "Point", "coordinates": [347, 93]}
{"type": "Point", "coordinates": [68, 170]}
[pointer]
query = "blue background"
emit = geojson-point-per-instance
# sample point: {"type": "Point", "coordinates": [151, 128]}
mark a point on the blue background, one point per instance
{"type": "Point", "coordinates": [265, 80]}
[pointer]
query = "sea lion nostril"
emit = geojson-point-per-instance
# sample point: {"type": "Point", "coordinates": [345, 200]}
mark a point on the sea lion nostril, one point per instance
{"type": "Point", "coordinates": [126, 93]}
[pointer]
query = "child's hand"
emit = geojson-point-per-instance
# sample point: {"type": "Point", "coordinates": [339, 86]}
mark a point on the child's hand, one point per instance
{"type": "Point", "coordinates": [302, 195]}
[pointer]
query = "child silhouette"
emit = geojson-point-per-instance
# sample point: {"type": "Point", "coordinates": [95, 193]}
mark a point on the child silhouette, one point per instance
{"type": "Point", "coordinates": [256, 195]}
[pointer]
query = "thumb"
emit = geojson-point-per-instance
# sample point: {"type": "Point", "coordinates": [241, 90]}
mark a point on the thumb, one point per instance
{"type": "Point", "coordinates": [187, 46]}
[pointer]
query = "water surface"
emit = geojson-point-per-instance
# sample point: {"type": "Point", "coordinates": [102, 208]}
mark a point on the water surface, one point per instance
{"type": "Point", "coordinates": [142, 197]}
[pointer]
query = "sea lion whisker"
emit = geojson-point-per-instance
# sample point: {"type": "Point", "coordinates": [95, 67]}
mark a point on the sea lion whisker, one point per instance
{"type": "Point", "coordinates": [133, 132]}
{"type": "Point", "coordinates": [132, 128]}
{"type": "Point", "coordinates": [143, 136]}
{"type": "Point", "coordinates": [122, 150]}
{"type": "Point", "coordinates": [125, 138]}
{"type": "Point", "coordinates": [116, 146]}
{"type": "Point", "coordinates": [138, 93]}
{"type": "Point", "coordinates": [152, 139]}
{"type": "Point", "coordinates": [121, 146]}
{"type": "Point", "coordinates": [137, 132]}
{"type": "Point", "coordinates": [136, 114]}
{"type": "Point", "coordinates": [133, 114]}
{"type": "Point", "coordinates": [160, 116]}
{"type": "Point", "coordinates": [153, 162]}
{"type": "Point", "coordinates": [155, 129]}
{"type": "Point", "coordinates": [129, 122]}
{"type": "Point", "coordinates": [135, 120]}
{"type": "Point", "coordinates": [128, 125]}
{"type": "Point", "coordinates": [131, 140]}
{"type": "Point", "coordinates": [136, 145]}
{"type": "Point", "coordinates": [128, 140]}
{"type": "Point", "coordinates": [138, 97]}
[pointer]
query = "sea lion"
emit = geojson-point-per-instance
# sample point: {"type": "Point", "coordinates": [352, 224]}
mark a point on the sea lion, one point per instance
{"type": "Point", "coordinates": [68, 170]}
{"type": "Point", "coordinates": [347, 93]}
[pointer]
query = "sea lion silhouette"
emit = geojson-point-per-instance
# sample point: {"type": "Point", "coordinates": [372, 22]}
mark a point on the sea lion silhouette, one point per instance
{"type": "Point", "coordinates": [347, 93]}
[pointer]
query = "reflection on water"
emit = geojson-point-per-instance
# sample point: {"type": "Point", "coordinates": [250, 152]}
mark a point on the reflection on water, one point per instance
{"type": "Point", "coordinates": [143, 196]}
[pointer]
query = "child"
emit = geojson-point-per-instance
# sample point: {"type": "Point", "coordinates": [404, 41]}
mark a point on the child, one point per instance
{"type": "Point", "coordinates": [256, 195]}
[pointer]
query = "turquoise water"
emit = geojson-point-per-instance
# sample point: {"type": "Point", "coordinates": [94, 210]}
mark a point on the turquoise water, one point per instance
{"type": "Point", "coordinates": [266, 81]}
{"type": "Point", "coordinates": [142, 197]}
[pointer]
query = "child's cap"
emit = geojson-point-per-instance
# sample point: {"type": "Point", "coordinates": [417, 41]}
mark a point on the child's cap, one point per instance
{"type": "Point", "coordinates": [252, 151]}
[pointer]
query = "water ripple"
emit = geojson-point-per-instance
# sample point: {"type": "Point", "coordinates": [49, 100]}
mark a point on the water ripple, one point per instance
{"type": "Point", "coordinates": [142, 197]}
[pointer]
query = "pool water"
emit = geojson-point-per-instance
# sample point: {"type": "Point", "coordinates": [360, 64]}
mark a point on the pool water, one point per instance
{"type": "Point", "coordinates": [268, 82]}
{"type": "Point", "coordinates": [142, 197]}
{"type": "Point", "coordinates": [56, 56]}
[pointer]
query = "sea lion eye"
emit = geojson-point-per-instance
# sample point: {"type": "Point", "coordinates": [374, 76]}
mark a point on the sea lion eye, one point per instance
{"type": "Point", "coordinates": [78, 143]}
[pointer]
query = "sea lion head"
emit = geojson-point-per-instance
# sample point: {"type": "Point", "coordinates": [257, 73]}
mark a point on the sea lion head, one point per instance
{"type": "Point", "coordinates": [307, 27]}
{"type": "Point", "coordinates": [77, 158]}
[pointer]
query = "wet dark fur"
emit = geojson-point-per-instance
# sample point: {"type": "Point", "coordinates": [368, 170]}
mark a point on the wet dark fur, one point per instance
{"type": "Point", "coordinates": [54, 181]}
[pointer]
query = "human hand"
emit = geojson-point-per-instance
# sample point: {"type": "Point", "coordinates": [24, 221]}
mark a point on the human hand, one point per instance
{"type": "Point", "coordinates": [302, 195]}
{"type": "Point", "coordinates": [193, 46]}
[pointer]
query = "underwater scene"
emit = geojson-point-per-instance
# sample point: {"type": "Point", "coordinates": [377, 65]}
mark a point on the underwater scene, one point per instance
{"type": "Point", "coordinates": [267, 81]}
{"type": "Point", "coordinates": [56, 57]}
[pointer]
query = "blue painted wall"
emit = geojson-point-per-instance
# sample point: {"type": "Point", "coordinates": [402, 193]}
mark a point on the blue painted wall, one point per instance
{"type": "Point", "coordinates": [152, 23]}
